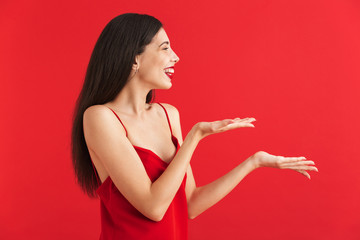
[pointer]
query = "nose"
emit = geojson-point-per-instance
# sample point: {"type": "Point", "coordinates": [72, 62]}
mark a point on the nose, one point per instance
{"type": "Point", "coordinates": [176, 59]}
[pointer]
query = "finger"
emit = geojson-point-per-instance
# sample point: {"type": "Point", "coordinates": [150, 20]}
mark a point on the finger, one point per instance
{"type": "Point", "coordinates": [233, 121]}
{"type": "Point", "coordinates": [245, 119]}
{"type": "Point", "coordinates": [228, 121]}
{"type": "Point", "coordinates": [250, 119]}
{"type": "Point", "coordinates": [223, 122]}
{"type": "Point", "coordinates": [291, 159]}
{"type": "Point", "coordinates": [307, 168]}
{"type": "Point", "coordinates": [242, 123]}
{"type": "Point", "coordinates": [297, 163]}
{"type": "Point", "coordinates": [237, 125]}
{"type": "Point", "coordinates": [221, 125]}
{"type": "Point", "coordinates": [304, 173]}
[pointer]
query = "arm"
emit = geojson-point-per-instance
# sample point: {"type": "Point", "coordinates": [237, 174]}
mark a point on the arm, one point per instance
{"type": "Point", "coordinates": [106, 138]}
{"type": "Point", "coordinates": [206, 196]}
{"type": "Point", "coordinates": [201, 198]}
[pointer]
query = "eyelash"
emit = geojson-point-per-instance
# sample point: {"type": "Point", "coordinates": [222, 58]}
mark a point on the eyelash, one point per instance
{"type": "Point", "coordinates": [165, 48]}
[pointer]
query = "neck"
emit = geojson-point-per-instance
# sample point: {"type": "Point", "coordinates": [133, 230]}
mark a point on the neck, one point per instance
{"type": "Point", "coordinates": [131, 100]}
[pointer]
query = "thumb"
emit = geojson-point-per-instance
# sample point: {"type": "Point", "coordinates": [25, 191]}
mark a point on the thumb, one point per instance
{"type": "Point", "coordinates": [228, 121]}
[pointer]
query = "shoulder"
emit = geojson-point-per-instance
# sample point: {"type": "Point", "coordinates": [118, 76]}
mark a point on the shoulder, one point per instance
{"type": "Point", "coordinates": [96, 111]}
{"type": "Point", "coordinates": [100, 116]}
{"type": "Point", "coordinates": [172, 111]}
{"type": "Point", "coordinates": [100, 125]}
{"type": "Point", "coordinates": [174, 118]}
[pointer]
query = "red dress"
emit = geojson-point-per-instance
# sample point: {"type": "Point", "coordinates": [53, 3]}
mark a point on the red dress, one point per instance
{"type": "Point", "coordinates": [120, 220]}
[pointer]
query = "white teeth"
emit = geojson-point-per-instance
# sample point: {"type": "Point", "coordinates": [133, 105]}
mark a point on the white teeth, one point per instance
{"type": "Point", "coordinates": [171, 70]}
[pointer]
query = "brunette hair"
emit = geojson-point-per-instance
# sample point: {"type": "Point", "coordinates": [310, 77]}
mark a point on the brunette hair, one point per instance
{"type": "Point", "coordinates": [122, 39]}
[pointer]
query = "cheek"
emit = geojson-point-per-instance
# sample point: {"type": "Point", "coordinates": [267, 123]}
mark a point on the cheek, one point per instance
{"type": "Point", "coordinates": [152, 66]}
{"type": "Point", "coordinates": [152, 72]}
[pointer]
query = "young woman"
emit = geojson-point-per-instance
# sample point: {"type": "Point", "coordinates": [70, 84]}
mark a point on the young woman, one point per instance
{"type": "Point", "coordinates": [129, 150]}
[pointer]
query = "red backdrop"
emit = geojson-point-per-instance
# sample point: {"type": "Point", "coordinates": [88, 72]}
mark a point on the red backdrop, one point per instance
{"type": "Point", "coordinates": [293, 65]}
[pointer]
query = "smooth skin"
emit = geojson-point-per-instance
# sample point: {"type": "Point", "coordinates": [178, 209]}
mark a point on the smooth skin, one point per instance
{"type": "Point", "coordinates": [114, 156]}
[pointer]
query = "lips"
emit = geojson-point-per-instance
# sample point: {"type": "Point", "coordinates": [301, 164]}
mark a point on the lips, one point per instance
{"type": "Point", "coordinates": [170, 74]}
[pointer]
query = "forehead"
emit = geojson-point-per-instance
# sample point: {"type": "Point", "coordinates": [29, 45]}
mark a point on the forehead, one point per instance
{"type": "Point", "coordinates": [160, 37]}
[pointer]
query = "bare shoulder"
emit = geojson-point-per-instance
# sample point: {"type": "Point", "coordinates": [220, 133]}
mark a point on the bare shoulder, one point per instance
{"type": "Point", "coordinates": [99, 119]}
{"type": "Point", "coordinates": [97, 114]}
{"type": "Point", "coordinates": [172, 111]}
{"type": "Point", "coordinates": [94, 109]}
{"type": "Point", "coordinates": [174, 117]}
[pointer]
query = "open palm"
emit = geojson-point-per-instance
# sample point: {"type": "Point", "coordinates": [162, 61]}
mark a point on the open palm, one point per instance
{"type": "Point", "coordinates": [208, 128]}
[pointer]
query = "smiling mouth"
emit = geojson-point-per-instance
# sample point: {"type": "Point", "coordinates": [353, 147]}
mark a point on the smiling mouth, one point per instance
{"type": "Point", "coordinates": [169, 72]}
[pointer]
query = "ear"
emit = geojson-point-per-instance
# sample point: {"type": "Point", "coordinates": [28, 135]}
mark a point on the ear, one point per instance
{"type": "Point", "coordinates": [136, 63]}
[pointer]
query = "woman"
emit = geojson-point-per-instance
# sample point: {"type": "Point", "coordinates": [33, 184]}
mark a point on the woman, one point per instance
{"type": "Point", "coordinates": [126, 149]}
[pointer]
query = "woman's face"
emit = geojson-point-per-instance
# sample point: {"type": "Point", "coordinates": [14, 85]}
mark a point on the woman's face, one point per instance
{"type": "Point", "coordinates": [157, 56]}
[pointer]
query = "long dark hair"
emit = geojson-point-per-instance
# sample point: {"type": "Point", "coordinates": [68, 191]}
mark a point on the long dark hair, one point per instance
{"type": "Point", "coordinates": [122, 39]}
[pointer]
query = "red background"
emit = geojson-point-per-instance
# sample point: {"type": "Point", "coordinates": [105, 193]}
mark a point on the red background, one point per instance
{"type": "Point", "coordinates": [293, 65]}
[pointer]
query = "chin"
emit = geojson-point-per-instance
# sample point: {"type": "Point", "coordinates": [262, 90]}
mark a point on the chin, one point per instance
{"type": "Point", "coordinates": [165, 85]}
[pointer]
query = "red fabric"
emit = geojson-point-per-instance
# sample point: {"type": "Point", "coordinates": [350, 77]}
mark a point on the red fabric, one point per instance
{"type": "Point", "coordinates": [120, 220]}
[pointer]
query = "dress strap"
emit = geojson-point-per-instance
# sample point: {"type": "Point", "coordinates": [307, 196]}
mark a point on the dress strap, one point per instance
{"type": "Point", "coordinates": [95, 171]}
{"type": "Point", "coordinates": [120, 121]}
{"type": "Point", "coordinates": [167, 116]}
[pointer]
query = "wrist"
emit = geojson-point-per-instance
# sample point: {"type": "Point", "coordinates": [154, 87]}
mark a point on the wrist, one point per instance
{"type": "Point", "coordinates": [195, 133]}
{"type": "Point", "coordinates": [254, 161]}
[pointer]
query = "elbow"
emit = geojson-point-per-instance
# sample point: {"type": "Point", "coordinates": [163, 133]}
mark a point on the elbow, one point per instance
{"type": "Point", "coordinates": [157, 218]}
{"type": "Point", "coordinates": [155, 215]}
{"type": "Point", "coordinates": [155, 211]}
{"type": "Point", "coordinates": [191, 214]}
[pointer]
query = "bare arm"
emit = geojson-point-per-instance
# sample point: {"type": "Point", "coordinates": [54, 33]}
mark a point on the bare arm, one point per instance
{"type": "Point", "coordinates": [163, 190]}
{"type": "Point", "coordinates": [206, 196]}
{"type": "Point", "coordinates": [106, 138]}
{"type": "Point", "coordinates": [201, 198]}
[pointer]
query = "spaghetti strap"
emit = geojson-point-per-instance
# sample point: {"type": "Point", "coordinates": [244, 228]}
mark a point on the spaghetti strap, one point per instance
{"type": "Point", "coordinates": [167, 116]}
{"type": "Point", "coordinates": [120, 121]}
{"type": "Point", "coordinates": [121, 220]}
{"type": "Point", "coordinates": [92, 163]}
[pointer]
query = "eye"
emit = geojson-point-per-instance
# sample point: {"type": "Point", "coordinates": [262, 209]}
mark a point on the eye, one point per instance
{"type": "Point", "coordinates": [165, 48]}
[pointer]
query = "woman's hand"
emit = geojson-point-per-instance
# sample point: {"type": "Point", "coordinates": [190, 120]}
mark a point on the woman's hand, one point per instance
{"type": "Point", "coordinates": [207, 128]}
{"type": "Point", "coordinates": [299, 164]}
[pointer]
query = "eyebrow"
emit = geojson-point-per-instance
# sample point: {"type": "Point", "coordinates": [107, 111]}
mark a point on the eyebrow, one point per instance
{"type": "Point", "coordinates": [163, 43]}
